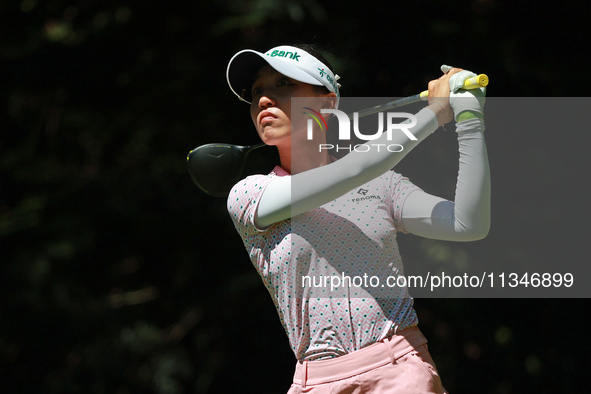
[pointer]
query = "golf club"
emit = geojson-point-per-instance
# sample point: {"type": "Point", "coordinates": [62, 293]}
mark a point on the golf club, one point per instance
{"type": "Point", "coordinates": [215, 168]}
{"type": "Point", "coordinates": [479, 81]}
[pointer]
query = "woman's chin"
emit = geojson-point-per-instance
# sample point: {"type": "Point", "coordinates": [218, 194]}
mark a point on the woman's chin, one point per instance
{"type": "Point", "coordinates": [272, 138]}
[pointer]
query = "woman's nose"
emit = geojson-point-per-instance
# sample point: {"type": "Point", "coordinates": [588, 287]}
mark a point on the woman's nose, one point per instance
{"type": "Point", "coordinates": [266, 100]}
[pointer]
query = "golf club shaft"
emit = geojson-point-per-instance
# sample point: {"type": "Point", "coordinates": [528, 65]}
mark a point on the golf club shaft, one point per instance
{"type": "Point", "coordinates": [470, 83]}
{"type": "Point", "coordinates": [478, 81]}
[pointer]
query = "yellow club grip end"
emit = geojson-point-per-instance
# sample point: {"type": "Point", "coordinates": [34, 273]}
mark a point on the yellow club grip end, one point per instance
{"type": "Point", "coordinates": [479, 81]}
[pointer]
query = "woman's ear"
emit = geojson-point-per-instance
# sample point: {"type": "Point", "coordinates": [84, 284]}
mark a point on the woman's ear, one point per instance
{"type": "Point", "coordinates": [330, 102]}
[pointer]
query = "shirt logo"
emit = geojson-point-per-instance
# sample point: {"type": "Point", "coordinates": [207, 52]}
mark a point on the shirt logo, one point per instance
{"type": "Point", "coordinates": [364, 196]}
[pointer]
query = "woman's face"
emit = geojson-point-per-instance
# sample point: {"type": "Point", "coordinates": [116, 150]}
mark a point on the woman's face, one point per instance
{"type": "Point", "coordinates": [271, 104]}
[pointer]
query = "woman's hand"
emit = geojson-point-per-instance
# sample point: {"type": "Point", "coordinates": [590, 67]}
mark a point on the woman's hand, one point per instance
{"type": "Point", "coordinates": [439, 97]}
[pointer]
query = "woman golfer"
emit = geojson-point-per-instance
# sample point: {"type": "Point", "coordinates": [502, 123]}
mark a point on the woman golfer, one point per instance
{"type": "Point", "coordinates": [311, 219]}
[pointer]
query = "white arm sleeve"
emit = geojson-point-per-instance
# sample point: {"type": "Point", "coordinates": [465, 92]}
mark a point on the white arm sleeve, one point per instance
{"type": "Point", "coordinates": [323, 184]}
{"type": "Point", "coordinates": [468, 218]}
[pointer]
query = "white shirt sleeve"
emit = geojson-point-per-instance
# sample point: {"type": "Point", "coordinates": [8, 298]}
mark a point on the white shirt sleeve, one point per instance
{"type": "Point", "coordinates": [326, 183]}
{"type": "Point", "coordinates": [468, 217]}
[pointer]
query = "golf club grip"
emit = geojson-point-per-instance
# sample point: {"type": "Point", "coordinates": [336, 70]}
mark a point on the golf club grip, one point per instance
{"type": "Point", "coordinates": [479, 81]}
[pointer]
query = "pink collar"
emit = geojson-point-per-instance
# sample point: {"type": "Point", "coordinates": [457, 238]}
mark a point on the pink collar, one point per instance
{"type": "Point", "coordinates": [279, 171]}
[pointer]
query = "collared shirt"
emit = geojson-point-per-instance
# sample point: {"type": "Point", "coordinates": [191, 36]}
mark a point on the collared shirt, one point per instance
{"type": "Point", "coordinates": [352, 238]}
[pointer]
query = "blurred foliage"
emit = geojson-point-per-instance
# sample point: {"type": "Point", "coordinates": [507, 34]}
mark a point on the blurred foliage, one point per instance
{"type": "Point", "coordinates": [118, 276]}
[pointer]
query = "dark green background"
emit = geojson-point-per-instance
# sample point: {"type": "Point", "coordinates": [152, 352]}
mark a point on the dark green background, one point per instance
{"type": "Point", "coordinates": [119, 276]}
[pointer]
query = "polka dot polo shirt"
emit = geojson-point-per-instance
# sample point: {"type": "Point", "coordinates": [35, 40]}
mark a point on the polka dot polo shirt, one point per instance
{"type": "Point", "coordinates": [331, 272]}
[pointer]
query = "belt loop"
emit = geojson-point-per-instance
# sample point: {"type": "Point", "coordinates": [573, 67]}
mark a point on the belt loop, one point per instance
{"type": "Point", "coordinates": [389, 349]}
{"type": "Point", "coordinates": [305, 379]}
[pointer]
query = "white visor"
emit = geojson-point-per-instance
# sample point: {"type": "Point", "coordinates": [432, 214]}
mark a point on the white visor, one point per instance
{"type": "Point", "coordinates": [290, 61]}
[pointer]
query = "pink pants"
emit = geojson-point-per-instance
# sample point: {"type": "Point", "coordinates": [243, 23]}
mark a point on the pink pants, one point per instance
{"type": "Point", "coordinates": [399, 364]}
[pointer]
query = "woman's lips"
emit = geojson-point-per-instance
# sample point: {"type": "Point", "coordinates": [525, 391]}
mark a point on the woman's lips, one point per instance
{"type": "Point", "coordinates": [266, 117]}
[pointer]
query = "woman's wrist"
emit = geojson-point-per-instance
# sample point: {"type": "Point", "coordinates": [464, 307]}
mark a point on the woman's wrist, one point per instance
{"type": "Point", "coordinates": [439, 111]}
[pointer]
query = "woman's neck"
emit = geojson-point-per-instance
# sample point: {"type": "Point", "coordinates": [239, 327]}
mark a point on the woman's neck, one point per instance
{"type": "Point", "coordinates": [299, 159]}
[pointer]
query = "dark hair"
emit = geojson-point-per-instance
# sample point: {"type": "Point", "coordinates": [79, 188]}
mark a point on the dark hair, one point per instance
{"type": "Point", "coordinates": [312, 49]}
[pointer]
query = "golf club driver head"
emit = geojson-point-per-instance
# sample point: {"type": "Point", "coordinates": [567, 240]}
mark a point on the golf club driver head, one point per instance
{"type": "Point", "coordinates": [215, 168]}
